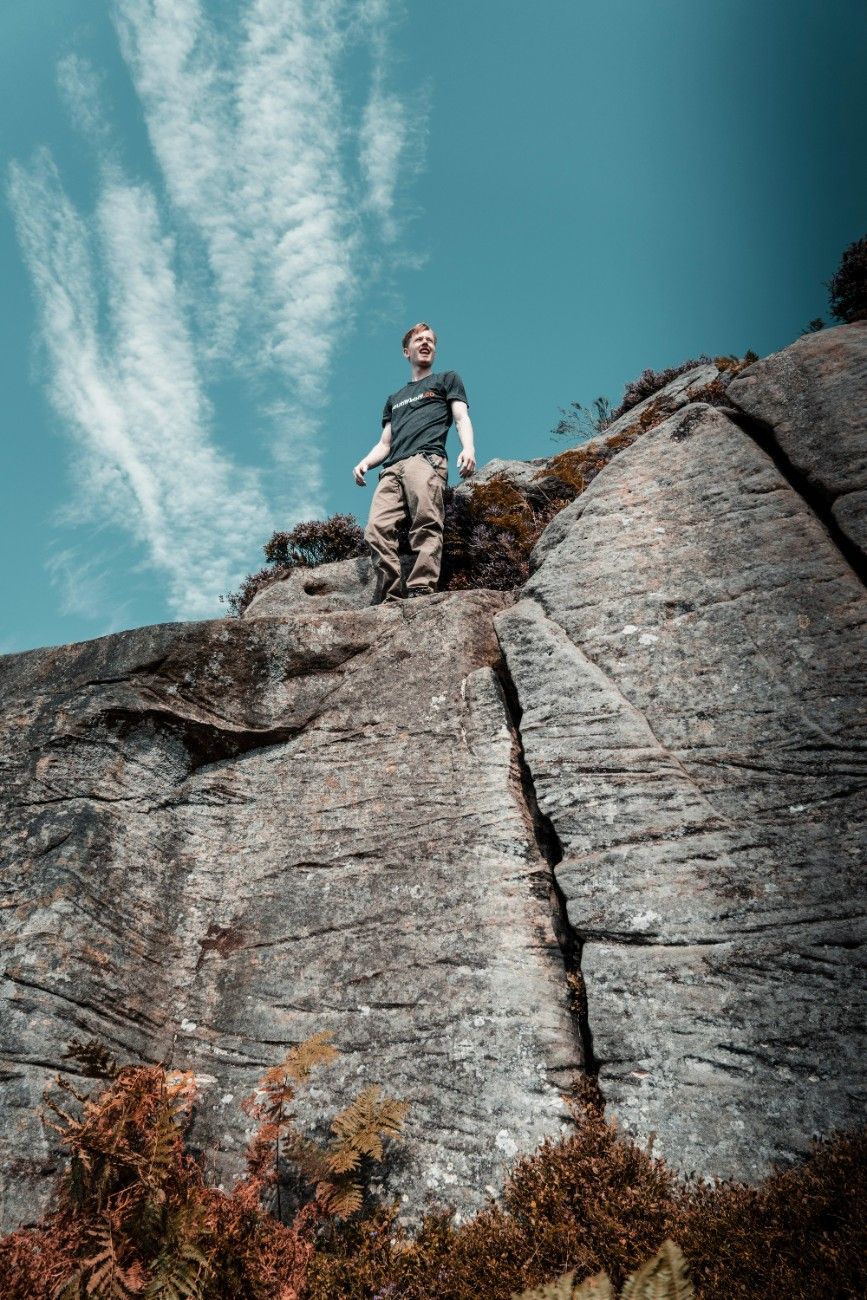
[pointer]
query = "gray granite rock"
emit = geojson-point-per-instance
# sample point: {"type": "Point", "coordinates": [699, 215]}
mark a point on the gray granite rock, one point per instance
{"type": "Point", "coordinates": [223, 837]}
{"type": "Point", "coordinates": [347, 584]}
{"type": "Point", "coordinates": [528, 476]}
{"type": "Point", "coordinates": [689, 661]}
{"type": "Point", "coordinates": [813, 397]}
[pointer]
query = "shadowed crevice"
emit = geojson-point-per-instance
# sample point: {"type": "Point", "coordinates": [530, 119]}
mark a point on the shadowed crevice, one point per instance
{"type": "Point", "coordinates": [551, 849]}
{"type": "Point", "coordinates": [819, 501]}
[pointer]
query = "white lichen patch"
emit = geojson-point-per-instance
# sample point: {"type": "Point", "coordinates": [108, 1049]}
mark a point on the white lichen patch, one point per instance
{"type": "Point", "coordinates": [506, 1143]}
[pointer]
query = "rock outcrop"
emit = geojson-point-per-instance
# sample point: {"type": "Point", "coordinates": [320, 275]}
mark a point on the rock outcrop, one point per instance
{"type": "Point", "coordinates": [223, 837]}
{"type": "Point", "coordinates": [220, 838]}
{"type": "Point", "coordinates": [812, 398]}
{"type": "Point", "coordinates": [688, 658]}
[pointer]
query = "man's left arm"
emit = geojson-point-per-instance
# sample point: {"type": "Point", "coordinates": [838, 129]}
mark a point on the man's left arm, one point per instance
{"type": "Point", "coordinates": [463, 424]}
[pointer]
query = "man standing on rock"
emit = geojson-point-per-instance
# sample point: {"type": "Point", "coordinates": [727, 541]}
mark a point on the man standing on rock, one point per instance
{"type": "Point", "coordinates": [412, 452]}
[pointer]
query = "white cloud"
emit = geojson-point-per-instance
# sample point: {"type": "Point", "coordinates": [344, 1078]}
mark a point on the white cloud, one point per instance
{"type": "Point", "coordinates": [81, 583]}
{"type": "Point", "coordinates": [277, 177]}
{"type": "Point", "coordinates": [80, 88]}
{"type": "Point", "coordinates": [128, 387]}
{"type": "Point", "coordinates": [249, 138]}
{"type": "Point", "coordinates": [383, 143]}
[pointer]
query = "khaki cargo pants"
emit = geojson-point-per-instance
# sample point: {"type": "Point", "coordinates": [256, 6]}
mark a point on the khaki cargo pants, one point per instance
{"type": "Point", "coordinates": [412, 490]}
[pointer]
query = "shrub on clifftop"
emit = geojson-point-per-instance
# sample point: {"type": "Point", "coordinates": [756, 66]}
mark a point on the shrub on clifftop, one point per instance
{"type": "Point", "coordinates": [318, 541]}
{"type": "Point", "coordinates": [848, 286]}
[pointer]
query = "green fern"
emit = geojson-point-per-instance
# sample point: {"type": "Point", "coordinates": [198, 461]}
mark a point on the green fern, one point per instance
{"type": "Point", "coordinates": [103, 1275]}
{"type": "Point", "coordinates": [94, 1057]}
{"type": "Point", "coordinates": [665, 1277]}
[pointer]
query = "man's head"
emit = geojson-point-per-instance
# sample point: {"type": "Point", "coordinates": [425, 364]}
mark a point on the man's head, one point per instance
{"type": "Point", "coordinates": [420, 345]}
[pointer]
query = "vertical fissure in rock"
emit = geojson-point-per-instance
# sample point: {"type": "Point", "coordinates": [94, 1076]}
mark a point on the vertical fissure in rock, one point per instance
{"type": "Point", "coordinates": [549, 846]}
{"type": "Point", "coordinates": [818, 501]}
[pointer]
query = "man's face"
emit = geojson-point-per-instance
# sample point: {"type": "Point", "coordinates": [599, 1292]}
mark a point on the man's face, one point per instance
{"type": "Point", "coordinates": [421, 349]}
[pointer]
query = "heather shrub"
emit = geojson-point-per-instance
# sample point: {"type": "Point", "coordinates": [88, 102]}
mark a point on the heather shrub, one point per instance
{"type": "Point", "coordinates": [847, 288]}
{"type": "Point", "coordinates": [318, 541]}
{"type": "Point", "coordinates": [651, 381]}
{"type": "Point", "coordinates": [488, 533]}
{"type": "Point", "coordinates": [596, 1203]}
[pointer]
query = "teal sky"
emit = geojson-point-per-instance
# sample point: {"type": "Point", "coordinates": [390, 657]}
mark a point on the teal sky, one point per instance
{"type": "Point", "coordinates": [217, 220]}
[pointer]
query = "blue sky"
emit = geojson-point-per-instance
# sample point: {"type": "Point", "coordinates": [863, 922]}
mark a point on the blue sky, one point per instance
{"type": "Point", "coordinates": [217, 220]}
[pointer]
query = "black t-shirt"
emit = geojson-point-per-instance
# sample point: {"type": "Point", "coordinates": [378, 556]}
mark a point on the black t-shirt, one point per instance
{"type": "Point", "coordinates": [420, 415]}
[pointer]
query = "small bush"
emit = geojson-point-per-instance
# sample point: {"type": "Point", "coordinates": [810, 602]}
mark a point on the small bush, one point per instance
{"type": "Point", "coordinates": [651, 381]}
{"type": "Point", "coordinates": [318, 541]}
{"type": "Point", "coordinates": [579, 423]}
{"type": "Point", "coordinates": [847, 288]}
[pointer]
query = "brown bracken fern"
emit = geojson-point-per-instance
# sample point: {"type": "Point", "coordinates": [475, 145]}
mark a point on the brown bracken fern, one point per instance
{"type": "Point", "coordinates": [136, 1217]}
{"type": "Point", "coordinates": [665, 1277]}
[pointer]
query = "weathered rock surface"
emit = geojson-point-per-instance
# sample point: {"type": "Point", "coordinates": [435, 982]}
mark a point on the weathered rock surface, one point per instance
{"type": "Point", "coordinates": [347, 584]}
{"type": "Point", "coordinates": [223, 837]}
{"type": "Point", "coordinates": [689, 661]}
{"type": "Point", "coordinates": [813, 397]}
{"type": "Point", "coordinates": [220, 838]}
{"type": "Point", "coordinates": [528, 476]}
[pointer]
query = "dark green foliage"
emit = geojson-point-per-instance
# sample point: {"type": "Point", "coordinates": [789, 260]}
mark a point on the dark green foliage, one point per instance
{"type": "Point", "coordinates": [579, 423]}
{"type": "Point", "coordinates": [318, 541]}
{"type": "Point", "coordinates": [847, 288]}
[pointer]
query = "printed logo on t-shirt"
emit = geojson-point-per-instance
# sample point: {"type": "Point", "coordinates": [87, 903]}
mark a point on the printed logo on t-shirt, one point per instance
{"type": "Point", "coordinates": [417, 397]}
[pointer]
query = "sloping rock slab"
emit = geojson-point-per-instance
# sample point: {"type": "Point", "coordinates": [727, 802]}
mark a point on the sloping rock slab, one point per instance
{"type": "Point", "coordinates": [689, 662]}
{"type": "Point", "coordinates": [223, 837]}
{"type": "Point", "coordinates": [528, 476]}
{"type": "Point", "coordinates": [813, 396]}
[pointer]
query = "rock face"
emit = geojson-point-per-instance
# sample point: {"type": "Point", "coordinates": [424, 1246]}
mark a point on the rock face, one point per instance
{"type": "Point", "coordinates": [221, 838]}
{"type": "Point", "coordinates": [224, 837]}
{"type": "Point", "coordinates": [813, 398]}
{"type": "Point", "coordinates": [687, 658]}
{"type": "Point", "coordinates": [347, 584]}
{"type": "Point", "coordinates": [528, 476]}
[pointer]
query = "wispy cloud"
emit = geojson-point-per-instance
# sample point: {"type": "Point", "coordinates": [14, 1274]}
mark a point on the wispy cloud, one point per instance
{"type": "Point", "coordinates": [265, 155]}
{"type": "Point", "coordinates": [126, 384]}
{"type": "Point", "coordinates": [279, 185]}
{"type": "Point", "coordinates": [79, 86]}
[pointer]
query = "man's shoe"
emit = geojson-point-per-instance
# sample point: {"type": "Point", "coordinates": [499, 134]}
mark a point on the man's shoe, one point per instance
{"type": "Point", "coordinates": [414, 592]}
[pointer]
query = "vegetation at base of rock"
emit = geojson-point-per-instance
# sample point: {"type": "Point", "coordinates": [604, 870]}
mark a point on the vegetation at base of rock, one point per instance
{"type": "Point", "coordinates": [665, 1277]}
{"type": "Point", "coordinates": [135, 1214]}
{"type": "Point", "coordinates": [317, 541]}
{"type": "Point", "coordinates": [595, 1202]}
{"type": "Point", "coordinates": [847, 288]}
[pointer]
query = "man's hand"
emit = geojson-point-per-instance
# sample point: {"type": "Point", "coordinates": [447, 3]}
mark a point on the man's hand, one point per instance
{"type": "Point", "coordinates": [359, 472]}
{"type": "Point", "coordinates": [466, 462]}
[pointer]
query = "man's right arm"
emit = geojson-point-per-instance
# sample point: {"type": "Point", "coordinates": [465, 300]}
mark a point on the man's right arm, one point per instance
{"type": "Point", "coordinates": [375, 456]}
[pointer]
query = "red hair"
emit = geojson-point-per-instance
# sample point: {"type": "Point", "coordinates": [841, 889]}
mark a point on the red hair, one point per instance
{"type": "Point", "coordinates": [415, 329]}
